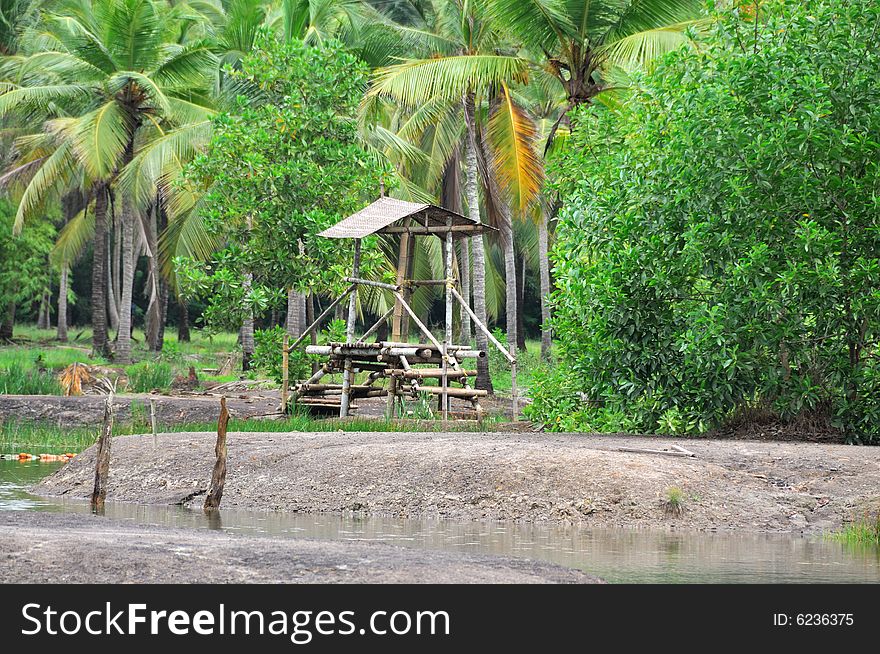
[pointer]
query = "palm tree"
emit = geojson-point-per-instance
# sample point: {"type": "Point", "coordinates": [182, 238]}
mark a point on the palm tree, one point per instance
{"type": "Point", "coordinates": [461, 65]}
{"type": "Point", "coordinates": [581, 42]}
{"type": "Point", "coordinates": [129, 92]}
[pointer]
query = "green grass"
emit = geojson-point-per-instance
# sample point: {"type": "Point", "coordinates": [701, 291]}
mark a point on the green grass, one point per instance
{"type": "Point", "coordinates": [37, 438]}
{"type": "Point", "coordinates": [18, 379]}
{"type": "Point", "coordinates": [865, 531]}
{"type": "Point", "coordinates": [38, 349]}
{"type": "Point", "coordinates": [149, 375]}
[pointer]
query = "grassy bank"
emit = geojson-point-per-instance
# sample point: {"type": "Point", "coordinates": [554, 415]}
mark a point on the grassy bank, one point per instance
{"type": "Point", "coordinates": [41, 437]}
{"type": "Point", "coordinates": [862, 532]}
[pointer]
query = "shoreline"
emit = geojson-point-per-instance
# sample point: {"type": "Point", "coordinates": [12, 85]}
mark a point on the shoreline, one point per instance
{"type": "Point", "coordinates": [542, 478]}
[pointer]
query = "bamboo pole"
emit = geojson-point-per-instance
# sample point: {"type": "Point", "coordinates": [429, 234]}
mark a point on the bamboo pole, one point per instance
{"type": "Point", "coordinates": [403, 260]}
{"type": "Point", "coordinates": [479, 324]}
{"type": "Point", "coordinates": [447, 337]}
{"type": "Point", "coordinates": [377, 324]}
{"type": "Point", "coordinates": [323, 315]}
{"type": "Point", "coordinates": [102, 458]}
{"type": "Point", "coordinates": [218, 477]}
{"type": "Point", "coordinates": [418, 322]}
{"type": "Point", "coordinates": [285, 373]}
{"type": "Point", "coordinates": [349, 334]}
{"type": "Point", "coordinates": [369, 282]}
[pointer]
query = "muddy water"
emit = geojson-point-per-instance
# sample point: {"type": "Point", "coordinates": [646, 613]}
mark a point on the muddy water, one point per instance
{"type": "Point", "coordinates": [617, 555]}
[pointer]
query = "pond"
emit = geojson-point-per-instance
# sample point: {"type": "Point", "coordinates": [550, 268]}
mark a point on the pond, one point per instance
{"type": "Point", "coordinates": [616, 555]}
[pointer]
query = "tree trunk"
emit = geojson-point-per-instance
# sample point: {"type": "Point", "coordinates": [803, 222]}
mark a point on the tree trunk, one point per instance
{"type": "Point", "coordinates": [99, 275]}
{"type": "Point", "coordinates": [43, 313]}
{"type": "Point", "coordinates": [247, 331]}
{"type": "Point", "coordinates": [182, 322]}
{"type": "Point", "coordinates": [7, 323]}
{"type": "Point", "coordinates": [62, 304]}
{"type": "Point", "coordinates": [544, 261]}
{"type": "Point", "coordinates": [510, 309]}
{"type": "Point", "coordinates": [296, 313]}
{"type": "Point", "coordinates": [153, 318]}
{"type": "Point", "coordinates": [520, 304]}
{"type": "Point", "coordinates": [161, 226]}
{"type": "Point", "coordinates": [123, 335]}
{"type": "Point", "coordinates": [484, 380]}
{"type": "Point", "coordinates": [114, 271]}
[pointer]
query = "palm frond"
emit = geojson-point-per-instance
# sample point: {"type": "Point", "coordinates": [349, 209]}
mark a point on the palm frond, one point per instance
{"type": "Point", "coordinates": [31, 98]}
{"type": "Point", "coordinates": [48, 181]}
{"type": "Point", "coordinates": [448, 78]}
{"type": "Point", "coordinates": [514, 161]}
{"type": "Point", "coordinates": [539, 24]}
{"type": "Point", "coordinates": [160, 161]}
{"type": "Point", "coordinates": [100, 138]}
{"type": "Point", "coordinates": [73, 238]}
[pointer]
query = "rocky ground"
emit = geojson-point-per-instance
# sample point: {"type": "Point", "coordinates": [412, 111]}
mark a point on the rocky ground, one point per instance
{"type": "Point", "coordinates": [562, 478]}
{"type": "Point", "coordinates": [59, 548]}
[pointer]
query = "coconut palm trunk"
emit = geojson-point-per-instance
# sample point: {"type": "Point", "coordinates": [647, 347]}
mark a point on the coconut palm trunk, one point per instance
{"type": "Point", "coordinates": [182, 321]}
{"type": "Point", "coordinates": [61, 331]}
{"type": "Point", "coordinates": [113, 274]}
{"type": "Point", "coordinates": [544, 263]}
{"type": "Point", "coordinates": [99, 274]}
{"type": "Point", "coordinates": [484, 379]}
{"type": "Point", "coordinates": [123, 335]}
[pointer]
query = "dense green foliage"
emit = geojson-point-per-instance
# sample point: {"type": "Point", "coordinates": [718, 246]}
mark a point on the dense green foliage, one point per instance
{"type": "Point", "coordinates": [284, 166]}
{"type": "Point", "coordinates": [718, 244]}
{"type": "Point", "coordinates": [24, 261]}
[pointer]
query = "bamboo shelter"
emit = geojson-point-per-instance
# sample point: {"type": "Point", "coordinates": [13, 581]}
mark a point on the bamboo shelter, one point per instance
{"type": "Point", "coordinates": [407, 369]}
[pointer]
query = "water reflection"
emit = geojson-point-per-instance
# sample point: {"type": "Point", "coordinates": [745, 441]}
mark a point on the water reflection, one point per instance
{"type": "Point", "coordinates": [617, 555]}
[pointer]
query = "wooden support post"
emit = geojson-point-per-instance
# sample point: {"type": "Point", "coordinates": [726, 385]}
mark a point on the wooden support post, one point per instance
{"type": "Point", "coordinates": [397, 322]}
{"type": "Point", "coordinates": [447, 337]}
{"type": "Point", "coordinates": [153, 422]}
{"type": "Point", "coordinates": [102, 458]}
{"type": "Point", "coordinates": [285, 373]}
{"type": "Point", "coordinates": [349, 334]}
{"type": "Point", "coordinates": [218, 478]}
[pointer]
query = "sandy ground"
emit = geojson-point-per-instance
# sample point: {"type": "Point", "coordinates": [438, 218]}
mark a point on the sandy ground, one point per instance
{"type": "Point", "coordinates": [58, 548]}
{"type": "Point", "coordinates": [562, 478]}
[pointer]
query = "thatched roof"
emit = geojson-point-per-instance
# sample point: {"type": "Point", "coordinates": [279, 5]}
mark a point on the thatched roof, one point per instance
{"type": "Point", "coordinates": [380, 218]}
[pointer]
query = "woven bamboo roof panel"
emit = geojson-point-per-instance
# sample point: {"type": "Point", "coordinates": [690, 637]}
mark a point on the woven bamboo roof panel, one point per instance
{"type": "Point", "coordinates": [385, 212]}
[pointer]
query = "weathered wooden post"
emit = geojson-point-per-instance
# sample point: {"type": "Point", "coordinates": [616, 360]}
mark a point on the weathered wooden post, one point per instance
{"type": "Point", "coordinates": [218, 478]}
{"type": "Point", "coordinates": [349, 334]}
{"type": "Point", "coordinates": [285, 375]}
{"type": "Point", "coordinates": [153, 422]}
{"type": "Point", "coordinates": [447, 338]}
{"type": "Point", "coordinates": [102, 458]}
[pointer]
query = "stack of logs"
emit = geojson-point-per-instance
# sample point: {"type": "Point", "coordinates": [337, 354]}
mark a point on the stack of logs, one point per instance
{"type": "Point", "coordinates": [393, 361]}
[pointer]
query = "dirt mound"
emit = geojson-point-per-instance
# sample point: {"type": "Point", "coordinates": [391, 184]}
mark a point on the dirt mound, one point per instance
{"type": "Point", "coordinates": [496, 476]}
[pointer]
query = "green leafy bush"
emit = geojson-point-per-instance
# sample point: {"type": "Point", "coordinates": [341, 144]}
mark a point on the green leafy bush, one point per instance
{"type": "Point", "coordinates": [718, 247]}
{"type": "Point", "coordinates": [148, 376]}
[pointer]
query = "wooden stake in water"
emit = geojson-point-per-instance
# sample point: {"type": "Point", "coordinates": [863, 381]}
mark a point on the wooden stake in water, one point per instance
{"type": "Point", "coordinates": [218, 478]}
{"type": "Point", "coordinates": [102, 458]}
